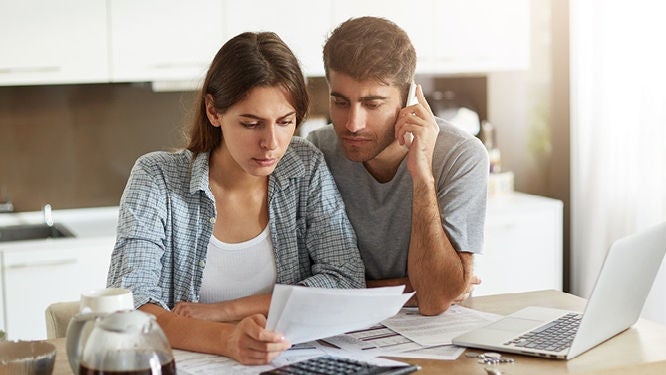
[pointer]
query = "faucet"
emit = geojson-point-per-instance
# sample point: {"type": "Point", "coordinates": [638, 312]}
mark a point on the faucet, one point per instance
{"type": "Point", "coordinates": [6, 205]}
{"type": "Point", "coordinates": [48, 215]}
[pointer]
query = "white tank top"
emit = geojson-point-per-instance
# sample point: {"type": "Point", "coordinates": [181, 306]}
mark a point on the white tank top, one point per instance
{"type": "Point", "coordinates": [235, 270]}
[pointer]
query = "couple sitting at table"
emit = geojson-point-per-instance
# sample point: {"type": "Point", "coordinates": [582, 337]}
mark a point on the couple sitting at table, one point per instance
{"type": "Point", "coordinates": [205, 233]}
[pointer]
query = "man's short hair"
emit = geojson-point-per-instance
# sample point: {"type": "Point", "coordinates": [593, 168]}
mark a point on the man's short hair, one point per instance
{"type": "Point", "coordinates": [371, 48]}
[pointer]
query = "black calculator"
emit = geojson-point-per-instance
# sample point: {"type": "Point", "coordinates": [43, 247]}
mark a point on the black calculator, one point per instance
{"type": "Point", "coordinates": [338, 366]}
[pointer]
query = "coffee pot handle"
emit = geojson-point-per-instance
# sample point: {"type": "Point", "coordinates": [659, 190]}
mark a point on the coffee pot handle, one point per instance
{"type": "Point", "coordinates": [78, 330]}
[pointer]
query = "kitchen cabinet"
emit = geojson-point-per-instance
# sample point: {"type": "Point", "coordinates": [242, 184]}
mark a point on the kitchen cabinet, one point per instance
{"type": "Point", "coordinates": [523, 245]}
{"type": "Point", "coordinates": [415, 17]}
{"type": "Point", "coordinates": [302, 24]}
{"type": "Point", "coordinates": [455, 36]}
{"type": "Point", "coordinates": [36, 273]}
{"type": "Point", "coordinates": [480, 36]}
{"type": "Point", "coordinates": [164, 40]}
{"type": "Point", "coordinates": [42, 272]}
{"type": "Point", "coordinates": [87, 41]}
{"type": "Point", "coordinates": [53, 42]}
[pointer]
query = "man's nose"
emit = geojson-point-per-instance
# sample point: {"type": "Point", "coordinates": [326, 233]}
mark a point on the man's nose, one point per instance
{"type": "Point", "coordinates": [355, 119]}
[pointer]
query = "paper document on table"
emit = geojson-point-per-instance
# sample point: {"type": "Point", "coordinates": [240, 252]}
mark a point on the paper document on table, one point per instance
{"type": "Point", "coordinates": [304, 314]}
{"type": "Point", "coordinates": [379, 340]}
{"type": "Point", "coordinates": [440, 329]}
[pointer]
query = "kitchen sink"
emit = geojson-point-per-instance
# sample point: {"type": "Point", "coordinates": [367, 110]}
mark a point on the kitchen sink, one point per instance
{"type": "Point", "coordinates": [33, 232]}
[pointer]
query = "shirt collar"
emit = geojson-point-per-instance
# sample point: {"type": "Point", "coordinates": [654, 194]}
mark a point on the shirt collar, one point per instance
{"type": "Point", "coordinates": [199, 173]}
{"type": "Point", "coordinates": [290, 166]}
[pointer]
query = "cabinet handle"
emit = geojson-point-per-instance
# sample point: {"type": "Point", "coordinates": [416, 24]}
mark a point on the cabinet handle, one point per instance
{"type": "Point", "coordinates": [44, 263]}
{"type": "Point", "coordinates": [35, 69]}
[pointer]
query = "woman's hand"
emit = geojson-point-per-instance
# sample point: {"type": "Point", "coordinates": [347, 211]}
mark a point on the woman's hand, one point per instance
{"type": "Point", "coordinates": [251, 344]}
{"type": "Point", "coordinates": [204, 311]}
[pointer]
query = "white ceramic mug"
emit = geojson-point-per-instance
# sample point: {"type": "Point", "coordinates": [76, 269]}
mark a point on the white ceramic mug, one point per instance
{"type": "Point", "coordinates": [106, 300]}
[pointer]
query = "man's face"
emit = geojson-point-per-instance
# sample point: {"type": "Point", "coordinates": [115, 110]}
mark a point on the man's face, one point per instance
{"type": "Point", "coordinates": [363, 115]}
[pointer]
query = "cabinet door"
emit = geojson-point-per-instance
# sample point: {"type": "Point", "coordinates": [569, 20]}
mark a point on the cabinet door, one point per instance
{"type": "Point", "coordinates": [48, 42]}
{"type": "Point", "coordinates": [481, 35]}
{"type": "Point", "coordinates": [38, 275]}
{"type": "Point", "coordinates": [155, 40]}
{"type": "Point", "coordinates": [302, 24]}
{"type": "Point", "coordinates": [523, 246]}
{"type": "Point", "coordinates": [415, 17]}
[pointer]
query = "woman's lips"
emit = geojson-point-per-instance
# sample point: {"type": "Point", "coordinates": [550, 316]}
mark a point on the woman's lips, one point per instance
{"type": "Point", "coordinates": [265, 162]}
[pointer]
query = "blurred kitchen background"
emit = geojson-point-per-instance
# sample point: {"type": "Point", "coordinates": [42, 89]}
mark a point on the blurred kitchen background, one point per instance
{"type": "Point", "coordinates": [569, 92]}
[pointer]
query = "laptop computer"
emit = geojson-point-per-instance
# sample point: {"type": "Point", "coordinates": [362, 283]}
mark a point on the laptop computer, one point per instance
{"type": "Point", "coordinates": [615, 304]}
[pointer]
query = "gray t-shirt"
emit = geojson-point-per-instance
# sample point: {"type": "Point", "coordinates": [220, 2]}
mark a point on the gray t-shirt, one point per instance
{"type": "Point", "coordinates": [381, 212]}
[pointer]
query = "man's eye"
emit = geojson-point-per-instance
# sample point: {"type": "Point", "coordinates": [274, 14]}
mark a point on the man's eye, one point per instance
{"type": "Point", "coordinates": [372, 105]}
{"type": "Point", "coordinates": [340, 103]}
{"type": "Point", "coordinates": [286, 122]}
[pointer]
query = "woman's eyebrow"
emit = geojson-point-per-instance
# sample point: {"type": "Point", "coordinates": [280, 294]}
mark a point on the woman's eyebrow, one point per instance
{"type": "Point", "coordinates": [255, 117]}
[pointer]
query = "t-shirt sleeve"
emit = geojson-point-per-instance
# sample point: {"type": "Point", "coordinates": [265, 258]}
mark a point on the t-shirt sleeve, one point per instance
{"type": "Point", "coordinates": [462, 193]}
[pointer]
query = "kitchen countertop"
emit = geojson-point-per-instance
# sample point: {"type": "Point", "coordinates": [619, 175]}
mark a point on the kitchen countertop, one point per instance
{"type": "Point", "coordinates": [85, 223]}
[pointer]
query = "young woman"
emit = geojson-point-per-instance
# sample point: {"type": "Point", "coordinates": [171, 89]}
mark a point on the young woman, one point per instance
{"type": "Point", "coordinates": [205, 233]}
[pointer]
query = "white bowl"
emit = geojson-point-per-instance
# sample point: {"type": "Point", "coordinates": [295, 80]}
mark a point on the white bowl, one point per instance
{"type": "Point", "coordinates": [26, 358]}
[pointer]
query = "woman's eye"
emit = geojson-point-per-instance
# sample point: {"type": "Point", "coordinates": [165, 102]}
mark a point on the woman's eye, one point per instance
{"type": "Point", "coordinates": [286, 122]}
{"type": "Point", "coordinates": [250, 125]}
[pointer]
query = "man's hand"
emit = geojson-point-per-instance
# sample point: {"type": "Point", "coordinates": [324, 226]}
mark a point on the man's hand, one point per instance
{"type": "Point", "coordinates": [420, 121]}
{"type": "Point", "coordinates": [475, 280]}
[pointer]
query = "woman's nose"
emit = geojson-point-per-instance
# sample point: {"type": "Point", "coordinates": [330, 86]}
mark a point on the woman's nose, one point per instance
{"type": "Point", "coordinates": [269, 138]}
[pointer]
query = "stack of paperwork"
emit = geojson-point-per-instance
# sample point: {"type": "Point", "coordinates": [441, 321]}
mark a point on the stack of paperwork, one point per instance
{"type": "Point", "coordinates": [304, 314]}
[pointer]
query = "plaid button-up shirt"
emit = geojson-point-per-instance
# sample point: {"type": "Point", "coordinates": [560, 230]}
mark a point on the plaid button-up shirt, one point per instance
{"type": "Point", "coordinates": [167, 214]}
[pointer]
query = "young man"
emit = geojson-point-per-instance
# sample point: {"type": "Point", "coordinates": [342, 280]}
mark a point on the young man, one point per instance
{"type": "Point", "coordinates": [418, 208]}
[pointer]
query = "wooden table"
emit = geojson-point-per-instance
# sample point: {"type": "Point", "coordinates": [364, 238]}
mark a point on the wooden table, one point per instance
{"type": "Point", "coordinates": [640, 349]}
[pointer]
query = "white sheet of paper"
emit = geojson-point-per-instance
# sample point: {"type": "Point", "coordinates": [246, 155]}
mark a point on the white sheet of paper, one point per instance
{"type": "Point", "coordinates": [379, 340]}
{"type": "Point", "coordinates": [304, 314]}
{"type": "Point", "coordinates": [440, 329]}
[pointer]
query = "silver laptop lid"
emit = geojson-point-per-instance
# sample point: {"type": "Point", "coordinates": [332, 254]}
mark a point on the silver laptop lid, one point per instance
{"type": "Point", "coordinates": [622, 286]}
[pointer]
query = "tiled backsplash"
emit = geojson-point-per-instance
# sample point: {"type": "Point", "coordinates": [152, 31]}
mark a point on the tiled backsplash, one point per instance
{"type": "Point", "coordinates": [73, 146]}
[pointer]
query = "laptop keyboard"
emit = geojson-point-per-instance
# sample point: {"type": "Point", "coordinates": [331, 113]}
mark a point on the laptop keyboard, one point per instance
{"type": "Point", "coordinates": [554, 336]}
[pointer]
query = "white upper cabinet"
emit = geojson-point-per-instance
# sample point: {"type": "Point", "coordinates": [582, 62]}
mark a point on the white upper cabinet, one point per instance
{"type": "Point", "coordinates": [53, 42]}
{"type": "Point", "coordinates": [164, 40]}
{"type": "Point", "coordinates": [455, 36]}
{"type": "Point", "coordinates": [415, 17]}
{"type": "Point", "coordinates": [480, 36]}
{"type": "Point", "coordinates": [87, 41]}
{"type": "Point", "coordinates": [302, 24]}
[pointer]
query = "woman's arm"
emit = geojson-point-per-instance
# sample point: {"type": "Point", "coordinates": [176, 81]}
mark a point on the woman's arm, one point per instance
{"type": "Point", "coordinates": [226, 311]}
{"type": "Point", "coordinates": [247, 342]}
{"type": "Point", "coordinates": [331, 240]}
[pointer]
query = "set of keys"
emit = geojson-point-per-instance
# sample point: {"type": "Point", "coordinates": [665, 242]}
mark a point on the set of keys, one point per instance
{"type": "Point", "coordinates": [489, 358]}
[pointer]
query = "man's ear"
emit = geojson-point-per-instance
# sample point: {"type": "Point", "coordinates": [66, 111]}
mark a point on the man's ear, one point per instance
{"type": "Point", "coordinates": [212, 114]}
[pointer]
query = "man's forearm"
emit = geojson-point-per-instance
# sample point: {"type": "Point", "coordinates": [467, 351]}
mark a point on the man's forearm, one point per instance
{"type": "Point", "coordinates": [436, 270]}
{"type": "Point", "coordinates": [412, 302]}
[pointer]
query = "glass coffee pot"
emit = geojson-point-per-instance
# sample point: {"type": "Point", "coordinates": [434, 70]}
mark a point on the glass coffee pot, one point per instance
{"type": "Point", "coordinates": [121, 343]}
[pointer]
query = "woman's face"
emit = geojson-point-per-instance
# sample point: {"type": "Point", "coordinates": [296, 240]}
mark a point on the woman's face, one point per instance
{"type": "Point", "coordinates": [257, 130]}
